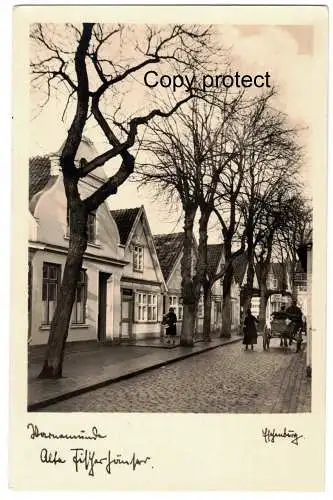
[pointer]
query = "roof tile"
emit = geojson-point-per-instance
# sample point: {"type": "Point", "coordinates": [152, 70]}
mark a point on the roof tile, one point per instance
{"type": "Point", "coordinates": [125, 219]}
{"type": "Point", "coordinates": [168, 248]}
{"type": "Point", "coordinates": [39, 174]}
{"type": "Point", "coordinates": [214, 254]}
{"type": "Point", "coordinates": [239, 265]}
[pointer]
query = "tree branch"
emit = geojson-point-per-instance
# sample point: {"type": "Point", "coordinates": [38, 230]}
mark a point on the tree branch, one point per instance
{"type": "Point", "coordinates": [120, 148]}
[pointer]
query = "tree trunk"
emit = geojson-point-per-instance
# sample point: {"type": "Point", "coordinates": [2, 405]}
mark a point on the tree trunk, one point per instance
{"type": "Point", "coordinates": [188, 295]}
{"type": "Point", "coordinates": [263, 276]}
{"type": "Point", "coordinates": [200, 278]}
{"type": "Point", "coordinates": [226, 305]}
{"type": "Point", "coordinates": [248, 290]}
{"type": "Point", "coordinates": [188, 325]}
{"type": "Point", "coordinates": [207, 313]}
{"type": "Point", "coordinates": [293, 283]}
{"type": "Point", "coordinates": [53, 363]}
{"type": "Point", "coordinates": [264, 295]}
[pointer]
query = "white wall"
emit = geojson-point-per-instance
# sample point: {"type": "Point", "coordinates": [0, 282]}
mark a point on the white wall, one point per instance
{"type": "Point", "coordinates": [39, 333]}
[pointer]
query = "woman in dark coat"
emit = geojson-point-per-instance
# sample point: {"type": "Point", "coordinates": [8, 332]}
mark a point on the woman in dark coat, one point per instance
{"type": "Point", "coordinates": [250, 330]}
{"type": "Point", "coordinates": [171, 320]}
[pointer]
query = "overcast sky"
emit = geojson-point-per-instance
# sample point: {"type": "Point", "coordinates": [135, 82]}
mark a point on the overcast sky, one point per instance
{"type": "Point", "coordinates": [286, 52]}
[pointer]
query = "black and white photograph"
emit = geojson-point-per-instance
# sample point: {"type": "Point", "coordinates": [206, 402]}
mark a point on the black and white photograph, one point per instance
{"type": "Point", "coordinates": [173, 171]}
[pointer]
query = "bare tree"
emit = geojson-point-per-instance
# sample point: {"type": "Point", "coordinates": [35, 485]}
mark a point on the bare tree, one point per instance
{"type": "Point", "coordinates": [226, 209]}
{"type": "Point", "coordinates": [187, 159]}
{"type": "Point", "coordinates": [276, 216]}
{"type": "Point", "coordinates": [272, 158]}
{"type": "Point", "coordinates": [91, 68]}
{"type": "Point", "coordinates": [296, 231]}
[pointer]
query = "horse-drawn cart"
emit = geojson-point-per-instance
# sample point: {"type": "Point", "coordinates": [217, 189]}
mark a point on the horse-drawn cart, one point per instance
{"type": "Point", "coordinates": [286, 326]}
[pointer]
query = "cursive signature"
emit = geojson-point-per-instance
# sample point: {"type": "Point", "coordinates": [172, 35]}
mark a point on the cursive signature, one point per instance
{"type": "Point", "coordinates": [36, 433]}
{"type": "Point", "coordinates": [270, 435]}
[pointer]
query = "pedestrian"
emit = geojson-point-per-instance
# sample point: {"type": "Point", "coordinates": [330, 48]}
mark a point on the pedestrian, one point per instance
{"type": "Point", "coordinates": [267, 333]}
{"type": "Point", "coordinates": [250, 330]}
{"type": "Point", "coordinates": [296, 315]}
{"type": "Point", "coordinates": [170, 319]}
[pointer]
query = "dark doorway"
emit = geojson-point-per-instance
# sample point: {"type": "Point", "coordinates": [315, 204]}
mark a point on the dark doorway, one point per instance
{"type": "Point", "coordinates": [102, 301]}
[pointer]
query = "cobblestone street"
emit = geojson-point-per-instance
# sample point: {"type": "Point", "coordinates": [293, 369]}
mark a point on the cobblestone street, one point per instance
{"type": "Point", "coordinates": [226, 379]}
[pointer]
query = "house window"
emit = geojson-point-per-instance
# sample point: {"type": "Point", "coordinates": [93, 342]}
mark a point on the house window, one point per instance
{"type": "Point", "coordinates": [51, 281]}
{"type": "Point", "coordinates": [146, 307]}
{"type": "Point", "coordinates": [79, 307]}
{"type": "Point", "coordinates": [91, 227]}
{"type": "Point", "coordinates": [175, 302]}
{"type": "Point", "coordinates": [138, 258]}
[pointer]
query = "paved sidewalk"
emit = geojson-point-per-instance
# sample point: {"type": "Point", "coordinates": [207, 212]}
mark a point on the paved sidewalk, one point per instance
{"type": "Point", "coordinates": [89, 365]}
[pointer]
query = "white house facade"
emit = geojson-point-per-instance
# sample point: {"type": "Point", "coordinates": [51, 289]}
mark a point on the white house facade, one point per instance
{"type": "Point", "coordinates": [142, 284]}
{"type": "Point", "coordinates": [96, 310]}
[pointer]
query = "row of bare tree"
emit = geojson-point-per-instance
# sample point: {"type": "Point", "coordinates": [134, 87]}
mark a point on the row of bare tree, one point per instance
{"type": "Point", "coordinates": [220, 154]}
{"type": "Point", "coordinates": [237, 159]}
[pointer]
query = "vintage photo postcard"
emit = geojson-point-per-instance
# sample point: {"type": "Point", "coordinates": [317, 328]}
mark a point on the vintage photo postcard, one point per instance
{"type": "Point", "coordinates": [169, 248]}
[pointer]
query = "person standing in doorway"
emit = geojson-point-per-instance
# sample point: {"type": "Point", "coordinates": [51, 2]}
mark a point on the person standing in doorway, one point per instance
{"type": "Point", "coordinates": [250, 330]}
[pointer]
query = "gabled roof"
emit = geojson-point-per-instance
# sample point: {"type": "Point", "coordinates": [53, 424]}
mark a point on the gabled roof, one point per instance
{"type": "Point", "coordinates": [39, 174]}
{"type": "Point", "coordinates": [239, 266]}
{"type": "Point", "coordinates": [214, 255]}
{"type": "Point", "coordinates": [125, 219]}
{"type": "Point", "coordinates": [40, 166]}
{"type": "Point", "coordinates": [168, 248]}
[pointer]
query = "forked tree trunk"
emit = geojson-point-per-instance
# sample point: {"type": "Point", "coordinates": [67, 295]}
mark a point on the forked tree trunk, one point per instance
{"type": "Point", "coordinates": [189, 302]}
{"type": "Point", "coordinates": [226, 304]}
{"type": "Point", "coordinates": [53, 363]}
{"type": "Point", "coordinates": [207, 313]}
